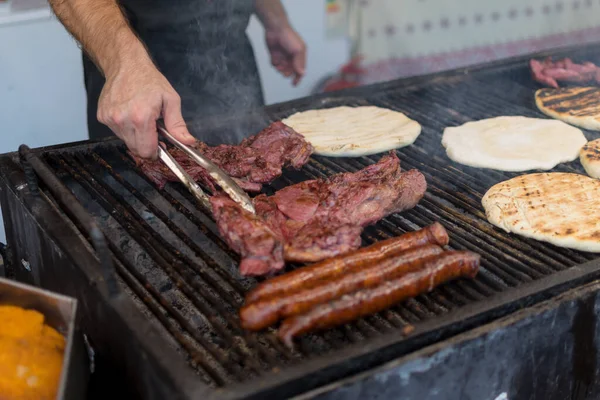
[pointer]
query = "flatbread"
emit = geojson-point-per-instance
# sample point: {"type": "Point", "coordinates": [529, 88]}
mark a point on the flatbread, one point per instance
{"type": "Point", "coordinates": [579, 106]}
{"type": "Point", "coordinates": [590, 158]}
{"type": "Point", "coordinates": [513, 143]}
{"type": "Point", "coordinates": [558, 208]}
{"type": "Point", "coordinates": [354, 131]}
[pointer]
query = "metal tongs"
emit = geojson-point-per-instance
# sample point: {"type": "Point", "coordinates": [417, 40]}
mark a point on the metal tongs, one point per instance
{"type": "Point", "coordinates": [226, 183]}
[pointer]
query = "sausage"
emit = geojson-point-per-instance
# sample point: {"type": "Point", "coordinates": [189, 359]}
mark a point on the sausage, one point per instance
{"type": "Point", "coordinates": [266, 312]}
{"type": "Point", "coordinates": [339, 265]}
{"type": "Point", "coordinates": [443, 268]}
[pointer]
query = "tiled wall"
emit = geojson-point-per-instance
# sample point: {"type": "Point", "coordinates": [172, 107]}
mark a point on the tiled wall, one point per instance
{"type": "Point", "coordinates": [411, 37]}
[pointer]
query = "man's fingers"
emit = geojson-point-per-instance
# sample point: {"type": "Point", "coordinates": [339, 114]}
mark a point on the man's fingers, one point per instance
{"type": "Point", "coordinates": [277, 58]}
{"type": "Point", "coordinates": [297, 79]}
{"type": "Point", "coordinates": [286, 70]}
{"type": "Point", "coordinates": [288, 55]}
{"type": "Point", "coordinates": [299, 65]}
{"type": "Point", "coordinates": [146, 136]}
{"type": "Point", "coordinates": [118, 122]}
{"type": "Point", "coordinates": [132, 101]}
{"type": "Point", "coordinates": [174, 120]}
{"type": "Point", "coordinates": [127, 134]}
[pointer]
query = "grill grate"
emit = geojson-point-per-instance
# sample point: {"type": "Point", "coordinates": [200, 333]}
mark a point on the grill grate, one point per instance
{"type": "Point", "coordinates": [182, 275]}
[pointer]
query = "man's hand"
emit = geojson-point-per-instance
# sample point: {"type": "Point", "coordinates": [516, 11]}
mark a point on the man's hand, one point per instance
{"type": "Point", "coordinates": [133, 99]}
{"type": "Point", "coordinates": [135, 94]}
{"type": "Point", "coordinates": [288, 52]}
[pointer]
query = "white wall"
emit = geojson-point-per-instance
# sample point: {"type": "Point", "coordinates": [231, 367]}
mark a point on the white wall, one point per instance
{"type": "Point", "coordinates": [42, 98]}
{"type": "Point", "coordinates": [41, 82]}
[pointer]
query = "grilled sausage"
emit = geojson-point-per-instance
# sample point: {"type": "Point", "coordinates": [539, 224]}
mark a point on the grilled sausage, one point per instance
{"type": "Point", "coordinates": [445, 267]}
{"type": "Point", "coordinates": [307, 276]}
{"type": "Point", "coordinates": [263, 313]}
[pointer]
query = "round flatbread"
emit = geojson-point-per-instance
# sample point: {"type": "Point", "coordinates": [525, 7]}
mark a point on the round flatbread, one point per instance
{"type": "Point", "coordinates": [590, 158]}
{"type": "Point", "coordinates": [513, 143]}
{"type": "Point", "coordinates": [354, 131]}
{"type": "Point", "coordinates": [579, 106]}
{"type": "Point", "coordinates": [558, 208]}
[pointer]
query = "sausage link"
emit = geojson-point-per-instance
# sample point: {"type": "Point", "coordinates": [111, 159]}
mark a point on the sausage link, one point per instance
{"type": "Point", "coordinates": [263, 313]}
{"type": "Point", "coordinates": [339, 265]}
{"type": "Point", "coordinates": [443, 268]}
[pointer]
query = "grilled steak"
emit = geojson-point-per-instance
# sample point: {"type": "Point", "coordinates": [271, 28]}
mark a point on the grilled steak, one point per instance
{"type": "Point", "coordinates": [358, 198]}
{"type": "Point", "coordinates": [323, 218]}
{"type": "Point", "coordinates": [261, 250]}
{"type": "Point", "coordinates": [256, 160]}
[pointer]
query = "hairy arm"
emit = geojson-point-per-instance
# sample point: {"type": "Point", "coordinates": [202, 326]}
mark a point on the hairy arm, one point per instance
{"type": "Point", "coordinates": [271, 14]}
{"type": "Point", "coordinates": [287, 49]}
{"type": "Point", "coordinates": [135, 94]}
{"type": "Point", "coordinates": [104, 33]}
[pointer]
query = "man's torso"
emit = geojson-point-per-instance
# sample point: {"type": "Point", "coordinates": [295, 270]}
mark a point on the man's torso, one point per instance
{"type": "Point", "coordinates": [202, 48]}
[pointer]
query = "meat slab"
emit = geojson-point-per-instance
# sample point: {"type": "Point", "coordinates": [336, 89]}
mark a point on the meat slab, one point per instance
{"type": "Point", "coordinates": [256, 160]}
{"type": "Point", "coordinates": [550, 72]}
{"type": "Point", "coordinates": [317, 219]}
{"type": "Point", "coordinates": [260, 248]}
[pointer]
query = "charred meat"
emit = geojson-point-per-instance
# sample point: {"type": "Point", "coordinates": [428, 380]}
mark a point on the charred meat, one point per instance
{"type": "Point", "coordinates": [323, 218]}
{"type": "Point", "coordinates": [255, 161]}
{"type": "Point", "coordinates": [261, 250]}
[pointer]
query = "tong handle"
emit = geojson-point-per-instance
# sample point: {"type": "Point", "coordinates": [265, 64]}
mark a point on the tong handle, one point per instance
{"type": "Point", "coordinates": [184, 177]}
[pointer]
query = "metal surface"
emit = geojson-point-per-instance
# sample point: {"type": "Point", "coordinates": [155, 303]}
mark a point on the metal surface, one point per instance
{"type": "Point", "coordinates": [4, 261]}
{"type": "Point", "coordinates": [31, 163]}
{"type": "Point", "coordinates": [126, 347]}
{"type": "Point", "coordinates": [223, 180]}
{"type": "Point", "coordinates": [183, 176]}
{"type": "Point", "coordinates": [179, 275]}
{"type": "Point", "coordinates": [59, 313]}
{"type": "Point", "coordinates": [545, 352]}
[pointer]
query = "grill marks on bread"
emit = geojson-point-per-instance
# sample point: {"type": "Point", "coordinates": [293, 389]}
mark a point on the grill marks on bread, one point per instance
{"type": "Point", "coordinates": [558, 208]}
{"type": "Point", "coordinates": [578, 106]}
{"type": "Point", "coordinates": [590, 158]}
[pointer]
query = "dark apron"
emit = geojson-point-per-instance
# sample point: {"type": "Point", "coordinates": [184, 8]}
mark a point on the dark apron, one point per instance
{"type": "Point", "coordinates": [202, 48]}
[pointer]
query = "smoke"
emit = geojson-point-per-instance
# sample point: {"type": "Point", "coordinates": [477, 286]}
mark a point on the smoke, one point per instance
{"type": "Point", "coordinates": [202, 48]}
{"type": "Point", "coordinates": [222, 89]}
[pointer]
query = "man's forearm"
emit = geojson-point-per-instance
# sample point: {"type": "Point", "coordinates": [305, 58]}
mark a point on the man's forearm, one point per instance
{"type": "Point", "coordinates": [103, 31]}
{"type": "Point", "coordinates": [271, 13]}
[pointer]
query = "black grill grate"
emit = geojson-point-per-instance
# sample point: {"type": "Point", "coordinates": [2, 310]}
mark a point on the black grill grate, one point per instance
{"type": "Point", "coordinates": [184, 277]}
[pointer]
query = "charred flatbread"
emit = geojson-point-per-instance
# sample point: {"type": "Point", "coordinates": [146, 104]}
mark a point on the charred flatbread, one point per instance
{"type": "Point", "coordinates": [579, 106]}
{"type": "Point", "coordinates": [558, 208]}
{"type": "Point", "coordinates": [354, 131]}
{"type": "Point", "coordinates": [590, 158]}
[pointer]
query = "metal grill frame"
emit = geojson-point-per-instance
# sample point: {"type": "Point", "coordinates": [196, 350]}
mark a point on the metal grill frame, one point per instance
{"type": "Point", "coordinates": [64, 255]}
